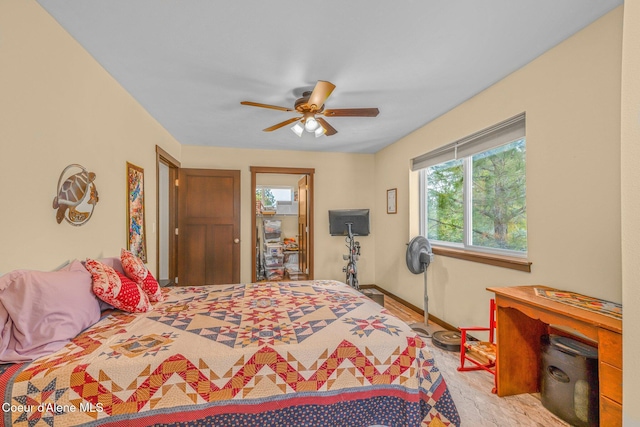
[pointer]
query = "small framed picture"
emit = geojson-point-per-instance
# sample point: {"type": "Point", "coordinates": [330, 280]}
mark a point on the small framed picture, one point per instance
{"type": "Point", "coordinates": [392, 201]}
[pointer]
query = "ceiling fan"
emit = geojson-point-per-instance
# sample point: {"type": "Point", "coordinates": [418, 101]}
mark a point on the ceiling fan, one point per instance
{"type": "Point", "coordinates": [312, 104]}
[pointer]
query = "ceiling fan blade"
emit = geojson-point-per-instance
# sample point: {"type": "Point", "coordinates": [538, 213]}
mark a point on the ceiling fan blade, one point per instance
{"type": "Point", "coordinates": [352, 112]}
{"type": "Point", "coordinates": [279, 125]}
{"type": "Point", "coordinates": [320, 93]}
{"type": "Point", "coordinates": [273, 107]}
{"type": "Point", "coordinates": [330, 130]}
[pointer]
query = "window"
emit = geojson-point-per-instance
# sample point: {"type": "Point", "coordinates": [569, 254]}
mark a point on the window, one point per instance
{"type": "Point", "coordinates": [445, 202]}
{"type": "Point", "coordinates": [474, 191]}
{"type": "Point", "coordinates": [270, 196]}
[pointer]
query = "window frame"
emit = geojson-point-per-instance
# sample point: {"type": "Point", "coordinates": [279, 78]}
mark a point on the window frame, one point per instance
{"type": "Point", "coordinates": [513, 259]}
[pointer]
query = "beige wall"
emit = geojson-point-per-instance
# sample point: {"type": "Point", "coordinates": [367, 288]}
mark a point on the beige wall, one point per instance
{"type": "Point", "coordinates": [571, 95]}
{"type": "Point", "coordinates": [58, 107]}
{"type": "Point", "coordinates": [342, 181]}
{"type": "Point", "coordinates": [631, 210]}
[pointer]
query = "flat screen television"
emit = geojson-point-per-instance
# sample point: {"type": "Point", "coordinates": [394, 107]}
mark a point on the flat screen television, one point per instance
{"type": "Point", "coordinates": [359, 219]}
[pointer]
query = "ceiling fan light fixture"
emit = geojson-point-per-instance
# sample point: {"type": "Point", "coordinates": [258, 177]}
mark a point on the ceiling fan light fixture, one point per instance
{"type": "Point", "coordinates": [311, 124]}
{"type": "Point", "coordinates": [319, 131]}
{"type": "Point", "coordinates": [297, 129]}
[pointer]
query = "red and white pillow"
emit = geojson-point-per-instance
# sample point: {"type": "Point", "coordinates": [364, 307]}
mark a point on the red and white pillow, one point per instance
{"type": "Point", "coordinates": [133, 266]}
{"type": "Point", "coordinates": [135, 269]}
{"type": "Point", "coordinates": [117, 289]}
{"type": "Point", "coordinates": [152, 288]}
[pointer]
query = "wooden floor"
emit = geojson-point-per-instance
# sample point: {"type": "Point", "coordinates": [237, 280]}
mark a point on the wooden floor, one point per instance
{"type": "Point", "coordinates": [402, 311]}
{"type": "Point", "coordinates": [471, 391]}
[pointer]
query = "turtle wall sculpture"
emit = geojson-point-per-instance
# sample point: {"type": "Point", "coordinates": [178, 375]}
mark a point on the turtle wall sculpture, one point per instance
{"type": "Point", "coordinates": [77, 196]}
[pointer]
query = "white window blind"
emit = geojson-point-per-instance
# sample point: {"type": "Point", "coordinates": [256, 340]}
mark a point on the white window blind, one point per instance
{"type": "Point", "coordinates": [502, 133]}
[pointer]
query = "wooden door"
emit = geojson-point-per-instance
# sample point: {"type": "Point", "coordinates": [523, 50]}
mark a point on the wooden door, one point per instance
{"type": "Point", "coordinates": [208, 227]}
{"type": "Point", "coordinates": [303, 225]}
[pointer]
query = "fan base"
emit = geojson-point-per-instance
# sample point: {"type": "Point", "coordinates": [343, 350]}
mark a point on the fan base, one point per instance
{"type": "Point", "coordinates": [422, 329]}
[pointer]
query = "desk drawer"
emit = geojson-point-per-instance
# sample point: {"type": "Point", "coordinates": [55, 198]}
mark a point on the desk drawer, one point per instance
{"type": "Point", "coordinates": [610, 413]}
{"type": "Point", "coordinates": [611, 382]}
{"type": "Point", "coordinates": [610, 347]}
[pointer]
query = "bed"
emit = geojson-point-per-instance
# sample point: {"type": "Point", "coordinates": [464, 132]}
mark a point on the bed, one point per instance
{"type": "Point", "coordinates": [302, 353]}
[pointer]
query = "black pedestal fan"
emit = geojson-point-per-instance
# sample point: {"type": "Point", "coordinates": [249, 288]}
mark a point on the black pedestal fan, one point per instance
{"type": "Point", "coordinates": [418, 259]}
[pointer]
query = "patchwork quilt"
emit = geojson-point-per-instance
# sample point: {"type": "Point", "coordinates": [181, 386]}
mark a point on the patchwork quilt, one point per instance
{"type": "Point", "coordinates": [309, 353]}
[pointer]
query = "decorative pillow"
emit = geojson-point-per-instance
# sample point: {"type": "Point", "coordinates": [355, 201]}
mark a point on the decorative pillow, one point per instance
{"type": "Point", "coordinates": [117, 289]}
{"type": "Point", "coordinates": [135, 269]}
{"type": "Point", "coordinates": [113, 262]}
{"type": "Point", "coordinates": [116, 264]}
{"type": "Point", "coordinates": [152, 288]}
{"type": "Point", "coordinates": [40, 312]}
{"type": "Point", "coordinates": [133, 266]}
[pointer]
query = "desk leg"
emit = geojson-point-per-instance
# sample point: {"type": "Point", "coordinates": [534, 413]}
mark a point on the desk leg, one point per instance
{"type": "Point", "coordinates": [518, 351]}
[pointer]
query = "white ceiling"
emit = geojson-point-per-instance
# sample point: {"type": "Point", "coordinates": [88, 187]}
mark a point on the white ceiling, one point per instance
{"type": "Point", "coordinates": [190, 62]}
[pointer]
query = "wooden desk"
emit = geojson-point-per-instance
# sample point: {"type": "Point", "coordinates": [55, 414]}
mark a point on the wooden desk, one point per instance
{"type": "Point", "coordinates": [522, 317]}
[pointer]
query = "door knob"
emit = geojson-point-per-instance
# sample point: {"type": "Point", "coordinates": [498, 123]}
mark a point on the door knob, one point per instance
{"type": "Point", "coordinates": [236, 240]}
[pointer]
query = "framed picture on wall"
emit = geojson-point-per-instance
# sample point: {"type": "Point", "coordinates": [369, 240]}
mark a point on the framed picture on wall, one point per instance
{"type": "Point", "coordinates": [136, 241]}
{"type": "Point", "coordinates": [392, 201]}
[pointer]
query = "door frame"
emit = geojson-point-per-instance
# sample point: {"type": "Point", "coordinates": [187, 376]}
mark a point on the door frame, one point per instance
{"type": "Point", "coordinates": [174, 167]}
{"type": "Point", "coordinates": [281, 170]}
